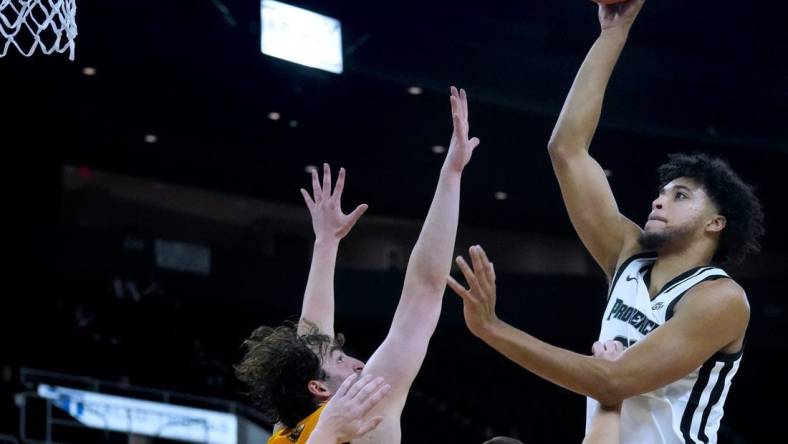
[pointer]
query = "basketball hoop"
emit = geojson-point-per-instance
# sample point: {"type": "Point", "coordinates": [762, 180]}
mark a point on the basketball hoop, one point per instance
{"type": "Point", "coordinates": [49, 25]}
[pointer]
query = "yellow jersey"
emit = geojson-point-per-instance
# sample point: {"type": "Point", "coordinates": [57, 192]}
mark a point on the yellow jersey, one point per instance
{"type": "Point", "coordinates": [300, 433]}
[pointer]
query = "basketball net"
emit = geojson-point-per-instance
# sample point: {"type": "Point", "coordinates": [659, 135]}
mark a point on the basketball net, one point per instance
{"type": "Point", "coordinates": [49, 25]}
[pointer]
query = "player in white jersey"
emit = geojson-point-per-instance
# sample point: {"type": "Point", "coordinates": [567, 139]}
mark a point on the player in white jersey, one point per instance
{"type": "Point", "coordinates": [683, 320]}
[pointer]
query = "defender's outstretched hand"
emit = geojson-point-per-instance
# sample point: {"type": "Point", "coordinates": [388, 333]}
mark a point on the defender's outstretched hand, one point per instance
{"type": "Point", "coordinates": [328, 221]}
{"type": "Point", "coordinates": [460, 148]}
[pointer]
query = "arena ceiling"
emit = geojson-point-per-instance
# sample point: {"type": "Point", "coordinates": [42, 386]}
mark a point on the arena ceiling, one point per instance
{"type": "Point", "coordinates": [695, 75]}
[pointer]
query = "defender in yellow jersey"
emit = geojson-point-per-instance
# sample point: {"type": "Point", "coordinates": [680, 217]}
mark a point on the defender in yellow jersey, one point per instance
{"type": "Point", "coordinates": [300, 433]}
{"type": "Point", "coordinates": [343, 418]}
{"type": "Point", "coordinates": [292, 369]}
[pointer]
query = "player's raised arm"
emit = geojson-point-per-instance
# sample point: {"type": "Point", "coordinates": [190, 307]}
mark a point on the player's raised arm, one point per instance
{"type": "Point", "coordinates": [330, 226]}
{"type": "Point", "coordinates": [584, 186]}
{"type": "Point", "coordinates": [401, 354]}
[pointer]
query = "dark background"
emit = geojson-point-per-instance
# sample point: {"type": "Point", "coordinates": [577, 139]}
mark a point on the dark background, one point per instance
{"type": "Point", "coordinates": [696, 75]}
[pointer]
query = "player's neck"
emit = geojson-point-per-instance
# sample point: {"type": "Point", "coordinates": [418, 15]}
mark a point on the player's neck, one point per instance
{"type": "Point", "coordinates": [672, 263]}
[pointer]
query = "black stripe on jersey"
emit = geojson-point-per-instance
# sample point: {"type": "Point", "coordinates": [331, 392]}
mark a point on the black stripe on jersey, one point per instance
{"type": "Point", "coordinates": [624, 266]}
{"type": "Point", "coordinates": [728, 357]}
{"type": "Point", "coordinates": [669, 310]}
{"type": "Point", "coordinates": [683, 277]}
{"type": "Point", "coordinates": [692, 404]}
{"type": "Point", "coordinates": [716, 393]}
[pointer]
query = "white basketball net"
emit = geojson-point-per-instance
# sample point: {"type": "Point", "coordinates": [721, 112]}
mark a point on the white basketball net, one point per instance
{"type": "Point", "coordinates": [49, 25]}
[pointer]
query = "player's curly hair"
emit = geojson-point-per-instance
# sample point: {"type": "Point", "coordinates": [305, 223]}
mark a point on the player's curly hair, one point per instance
{"type": "Point", "coordinates": [278, 365]}
{"type": "Point", "coordinates": [735, 200]}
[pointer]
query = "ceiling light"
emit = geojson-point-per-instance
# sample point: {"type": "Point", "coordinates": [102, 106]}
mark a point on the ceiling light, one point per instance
{"type": "Point", "coordinates": [151, 138]}
{"type": "Point", "coordinates": [500, 195]}
{"type": "Point", "coordinates": [438, 149]}
{"type": "Point", "coordinates": [89, 71]}
{"type": "Point", "coordinates": [273, 115]}
{"type": "Point", "coordinates": [310, 168]}
{"type": "Point", "coordinates": [301, 36]}
{"type": "Point", "coordinates": [414, 90]}
{"type": "Point", "coordinates": [293, 123]}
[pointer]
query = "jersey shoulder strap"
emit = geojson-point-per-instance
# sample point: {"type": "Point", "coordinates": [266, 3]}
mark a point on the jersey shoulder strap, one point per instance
{"type": "Point", "coordinates": [648, 256]}
{"type": "Point", "coordinates": [300, 433]}
{"type": "Point", "coordinates": [675, 290]}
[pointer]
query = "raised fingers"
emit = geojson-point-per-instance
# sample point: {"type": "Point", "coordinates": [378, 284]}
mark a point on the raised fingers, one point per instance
{"type": "Point", "coordinates": [359, 384]}
{"type": "Point", "coordinates": [367, 390]}
{"type": "Point", "coordinates": [464, 104]}
{"type": "Point", "coordinates": [454, 106]}
{"type": "Point", "coordinates": [459, 111]}
{"type": "Point", "coordinates": [480, 267]}
{"type": "Point", "coordinates": [346, 384]}
{"type": "Point", "coordinates": [459, 127]}
{"type": "Point", "coordinates": [340, 185]}
{"type": "Point", "coordinates": [470, 277]}
{"type": "Point", "coordinates": [326, 181]}
{"type": "Point", "coordinates": [309, 202]}
{"type": "Point", "coordinates": [370, 425]}
{"type": "Point", "coordinates": [316, 191]}
{"type": "Point", "coordinates": [454, 92]}
{"type": "Point", "coordinates": [370, 396]}
{"type": "Point", "coordinates": [458, 288]}
{"type": "Point", "coordinates": [597, 348]}
{"type": "Point", "coordinates": [356, 214]}
{"type": "Point", "coordinates": [378, 395]}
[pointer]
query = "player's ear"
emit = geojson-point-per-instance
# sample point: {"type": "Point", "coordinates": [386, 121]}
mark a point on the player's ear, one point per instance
{"type": "Point", "coordinates": [717, 223]}
{"type": "Point", "coordinates": [318, 390]}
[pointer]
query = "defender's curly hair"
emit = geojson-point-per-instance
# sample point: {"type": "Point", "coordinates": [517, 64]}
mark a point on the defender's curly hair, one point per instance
{"type": "Point", "coordinates": [735, 199]}
{"type": "Point", "coordinates": [278, 365]}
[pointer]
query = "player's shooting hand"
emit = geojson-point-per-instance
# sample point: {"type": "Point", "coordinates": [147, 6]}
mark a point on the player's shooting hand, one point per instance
{"type": "Point", "coordinates": [619, 15]}
{"type": "Point", "coordinates": [460, 148]}
{"type": "Point", "coordinates": [478, 300]}
{"type": "Point", "coordinates": [328, 221]}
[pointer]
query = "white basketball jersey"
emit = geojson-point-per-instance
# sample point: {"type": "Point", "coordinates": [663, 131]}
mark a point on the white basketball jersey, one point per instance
{"type": "Point", "coordinates": [688, 410]}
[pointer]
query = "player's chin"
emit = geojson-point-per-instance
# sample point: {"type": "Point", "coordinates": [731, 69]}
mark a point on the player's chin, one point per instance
{"type": "Point", "coordinates": [654, 226]}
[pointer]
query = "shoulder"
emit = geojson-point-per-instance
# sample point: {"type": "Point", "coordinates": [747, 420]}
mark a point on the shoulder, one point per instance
{"type": "Point", "coordinates": [717, 300]}
{"type": "Point", "coordinates": [723, 291]}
